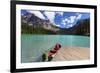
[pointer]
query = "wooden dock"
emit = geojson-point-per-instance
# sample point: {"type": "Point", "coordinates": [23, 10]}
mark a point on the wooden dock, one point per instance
{"type": "Point", "coordinates": [72, 53]}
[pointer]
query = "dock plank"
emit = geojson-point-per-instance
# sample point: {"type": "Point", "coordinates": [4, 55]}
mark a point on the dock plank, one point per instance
{"type": "Point", "coordinates": [72, 53]}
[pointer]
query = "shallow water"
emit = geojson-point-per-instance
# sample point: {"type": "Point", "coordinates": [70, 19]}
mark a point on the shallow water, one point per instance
{"type": "Point", "coordinates": [33, 46]}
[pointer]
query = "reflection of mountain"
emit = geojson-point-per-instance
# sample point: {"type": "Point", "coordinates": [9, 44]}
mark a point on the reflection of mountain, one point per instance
{"type": "Point", "coordinates": [31, 24]}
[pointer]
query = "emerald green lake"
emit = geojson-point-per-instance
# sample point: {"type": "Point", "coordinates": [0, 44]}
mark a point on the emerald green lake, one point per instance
{"type": "Point", "coordinates": [33, 46]}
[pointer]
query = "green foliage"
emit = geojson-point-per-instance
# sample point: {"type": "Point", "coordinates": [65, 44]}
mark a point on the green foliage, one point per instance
{"type": "Point", "coordinates": [34, 30]}
{"type": "Point", "coordinates": [84, 28]}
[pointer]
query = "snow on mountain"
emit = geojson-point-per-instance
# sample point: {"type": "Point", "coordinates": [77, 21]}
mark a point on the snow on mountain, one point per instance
{"type": "Point", "coordinates": [38, 14]}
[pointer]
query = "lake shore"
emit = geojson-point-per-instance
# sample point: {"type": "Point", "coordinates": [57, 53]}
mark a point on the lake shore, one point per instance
{"type": "Point", "coordinates": [72, 53]}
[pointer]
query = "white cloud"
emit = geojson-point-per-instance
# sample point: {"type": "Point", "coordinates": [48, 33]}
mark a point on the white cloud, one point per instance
{"type": "Point", "coordinates": [72, 19]}
{"type": "Point", "coordinates": [64, 23]}
{"type": "Point", "coordinates": [79, 16]}
{"type": "Point", "coordinates": [69, 20]}
{"type": "Point", "coordinates": [50, 16]}
{"type": "Point", "coordinates": [70, 25]}
{"type": "Point", "coordinates": [38, 14]}
{"type": "Point", "coordinates": [66, 20]}
{"type": "Point", "coordinates": [60, 13]}
{"type": "Point", "coordinates": [58, 25]}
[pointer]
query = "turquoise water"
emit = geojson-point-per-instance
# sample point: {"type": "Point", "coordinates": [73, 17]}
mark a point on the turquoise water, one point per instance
{"type": "Point", "coordinates": [33, 46]}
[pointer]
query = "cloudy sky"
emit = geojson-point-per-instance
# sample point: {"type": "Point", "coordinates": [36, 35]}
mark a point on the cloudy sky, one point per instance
{"type": "Point", "coordinates": [60, 19]}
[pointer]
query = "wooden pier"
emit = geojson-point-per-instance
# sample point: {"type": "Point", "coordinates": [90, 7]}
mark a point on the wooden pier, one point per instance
{"type": "Point", "coordinates": [72, 53]}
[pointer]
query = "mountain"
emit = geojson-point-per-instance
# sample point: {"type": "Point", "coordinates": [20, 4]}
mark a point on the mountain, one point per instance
{"type": "Point", "coordinates": [31, 24]}
{"type": "Point", "coordinates": [82, 27]}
